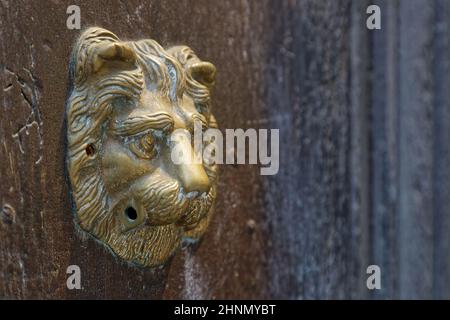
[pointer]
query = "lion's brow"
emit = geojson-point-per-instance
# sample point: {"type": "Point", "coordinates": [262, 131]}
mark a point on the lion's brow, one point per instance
{"type": "Point", "coordinates": [138, 124]}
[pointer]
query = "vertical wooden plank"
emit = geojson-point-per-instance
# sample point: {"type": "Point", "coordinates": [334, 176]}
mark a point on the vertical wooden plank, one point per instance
{"type": "Point", "coordinates": [310, 214]}
{"type": "Point", "coordinates": [416, 150]}
{"type": "Point", "coordinates": [360, 91]}
{"type": "Point", "coordinates": [384, 147]}
{"type": "Point", "coordinates": [441, 154]}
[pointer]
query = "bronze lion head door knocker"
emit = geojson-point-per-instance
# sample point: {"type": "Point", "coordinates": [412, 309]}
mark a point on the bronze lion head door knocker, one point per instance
{"type": "Point", "coordinates": [126, 99]}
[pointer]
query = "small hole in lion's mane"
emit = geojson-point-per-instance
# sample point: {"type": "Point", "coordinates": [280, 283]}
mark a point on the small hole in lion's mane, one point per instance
{"type": "Point", "coordinates": [90, 150]}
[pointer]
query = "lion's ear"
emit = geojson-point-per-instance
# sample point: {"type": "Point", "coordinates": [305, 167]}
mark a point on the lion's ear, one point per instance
{"type": "Point", "coordinates": [99, 49]}
{"type": "Point", "coordinates": [109, 52]}
{"type": "Point", "coordinates": [203, 72]}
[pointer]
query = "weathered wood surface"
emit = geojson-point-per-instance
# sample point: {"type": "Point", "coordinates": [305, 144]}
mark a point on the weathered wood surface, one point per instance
{"type": "Point", "coordinates": [364, 178]}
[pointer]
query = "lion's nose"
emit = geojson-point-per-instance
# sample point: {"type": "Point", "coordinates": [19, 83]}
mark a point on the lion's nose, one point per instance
{"type": "Point", "coordinates": [193, 178]}
{"type": "Point", "coordinates": [191, 175]}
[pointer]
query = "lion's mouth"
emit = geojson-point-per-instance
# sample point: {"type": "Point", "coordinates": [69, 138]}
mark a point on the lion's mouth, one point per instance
{"type": "Point", "coordinates": [198, 209]}
{"type": "Point", "coordinates": [170, 205]}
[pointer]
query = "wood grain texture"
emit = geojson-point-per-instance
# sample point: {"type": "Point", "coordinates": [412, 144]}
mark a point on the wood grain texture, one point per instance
{"type": "Point", "coordinates": [364, 178]}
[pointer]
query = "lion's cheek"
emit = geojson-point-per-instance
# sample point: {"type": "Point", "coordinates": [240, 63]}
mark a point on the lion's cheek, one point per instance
{"type": "Point", "coordinates": [120, 168]}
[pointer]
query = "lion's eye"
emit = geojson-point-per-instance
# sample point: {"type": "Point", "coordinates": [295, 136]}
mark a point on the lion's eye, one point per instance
{"type": "Point", "coordinates": [144, 147]}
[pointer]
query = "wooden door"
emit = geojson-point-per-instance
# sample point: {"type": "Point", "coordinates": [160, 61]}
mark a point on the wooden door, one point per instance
{"type": "Point", "coordinates": [364, 153]}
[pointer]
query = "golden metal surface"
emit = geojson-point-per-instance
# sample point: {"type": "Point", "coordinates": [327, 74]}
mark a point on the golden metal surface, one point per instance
{"type": "Point", "coordinates": [126, 98]}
